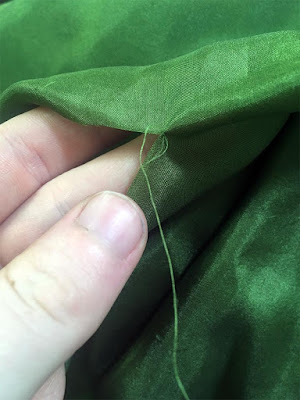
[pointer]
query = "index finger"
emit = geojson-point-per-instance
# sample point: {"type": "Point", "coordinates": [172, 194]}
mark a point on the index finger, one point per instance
{"type": "Point", "coordinates": [39, 145]}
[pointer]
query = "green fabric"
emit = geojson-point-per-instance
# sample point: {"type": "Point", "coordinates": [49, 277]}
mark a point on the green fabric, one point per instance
{"type": "Point", "coordinates": [221, 80]}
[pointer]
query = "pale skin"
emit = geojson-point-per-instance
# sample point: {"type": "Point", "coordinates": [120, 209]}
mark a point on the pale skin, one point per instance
{"type": "Point", "coordinates": [66, 248]}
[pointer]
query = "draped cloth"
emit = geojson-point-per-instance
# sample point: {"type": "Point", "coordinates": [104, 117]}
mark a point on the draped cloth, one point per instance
{"type": "Point", "coordinates": [219, 81]}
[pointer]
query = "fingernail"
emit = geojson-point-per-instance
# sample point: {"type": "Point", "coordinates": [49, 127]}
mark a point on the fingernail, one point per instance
{"type": "Point", "coordinates": [116, 220]}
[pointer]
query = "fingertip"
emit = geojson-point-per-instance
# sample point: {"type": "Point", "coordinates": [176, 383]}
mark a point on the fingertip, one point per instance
{"type": "Point", "coordinates": [116, 220]}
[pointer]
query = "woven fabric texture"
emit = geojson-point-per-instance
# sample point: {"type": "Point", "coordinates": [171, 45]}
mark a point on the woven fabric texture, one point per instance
{"type": "Point", "coordinates": [220, 79]}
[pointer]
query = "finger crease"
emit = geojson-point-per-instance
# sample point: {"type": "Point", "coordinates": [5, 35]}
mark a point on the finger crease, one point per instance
{"type": "Point", "coordinates": [30, 159]}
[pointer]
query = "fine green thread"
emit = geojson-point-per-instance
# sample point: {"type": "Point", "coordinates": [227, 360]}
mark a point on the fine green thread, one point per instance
{"type": "Point", "coordinates": [161, 152]}
{"type": "Point", "coordinates": [175, 343]}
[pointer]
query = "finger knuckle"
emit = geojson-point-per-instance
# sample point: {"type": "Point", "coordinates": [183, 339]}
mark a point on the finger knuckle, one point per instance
{"type": "Point", "coordinates": [41, 291]}
{"type": "Point", "coordinates": [29, 157]}
{"type": "Point", "coordinates": [56, 297]}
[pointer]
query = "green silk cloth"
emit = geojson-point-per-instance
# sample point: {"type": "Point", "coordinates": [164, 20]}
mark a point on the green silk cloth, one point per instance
{"type": "Point", "coordinates": [219, 81]}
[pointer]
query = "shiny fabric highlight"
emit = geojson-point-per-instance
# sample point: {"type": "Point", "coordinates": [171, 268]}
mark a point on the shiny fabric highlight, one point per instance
{"type": "Point", "coordinates": [221, 80]}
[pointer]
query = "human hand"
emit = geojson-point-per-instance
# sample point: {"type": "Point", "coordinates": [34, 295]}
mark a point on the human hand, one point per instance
{"type": "Point", "coordinates": [65, 251]}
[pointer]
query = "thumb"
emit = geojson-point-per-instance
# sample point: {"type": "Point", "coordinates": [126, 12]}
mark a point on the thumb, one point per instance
{"type": "Point", "coordinates": [55, 294]}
